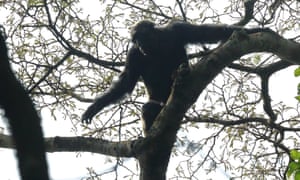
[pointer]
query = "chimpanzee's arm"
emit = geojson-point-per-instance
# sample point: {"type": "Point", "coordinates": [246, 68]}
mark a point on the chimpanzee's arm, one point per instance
{"type": "Point", "coordinates": [206, 33]}
{"type": "Point", "coordinates": [125, 84]}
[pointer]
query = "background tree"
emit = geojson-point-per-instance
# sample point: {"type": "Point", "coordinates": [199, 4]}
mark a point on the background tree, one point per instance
{"type": "Point", "coordinates": [23, 120]}
{"type": "Point", "coordinates": [245, 120]}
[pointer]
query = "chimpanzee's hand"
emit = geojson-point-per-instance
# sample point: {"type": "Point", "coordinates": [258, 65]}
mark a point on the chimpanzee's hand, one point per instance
{"type": "Point", "coordinates": [89, 114]}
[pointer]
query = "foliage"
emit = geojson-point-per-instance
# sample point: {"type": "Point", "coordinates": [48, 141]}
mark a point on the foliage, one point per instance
{"type": "Point", "coordinates": [66, 52]}
{"type": "Point", "coordinates": [294, 165]}
{"type": "Point", "coordinates": [297, 74]}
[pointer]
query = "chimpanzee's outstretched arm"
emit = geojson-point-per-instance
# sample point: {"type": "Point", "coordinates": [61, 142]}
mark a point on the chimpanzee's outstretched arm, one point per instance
{"type": "Point", "coordinates": [207, 33]}
{"type": "Point", "coordinates": [125, 84]}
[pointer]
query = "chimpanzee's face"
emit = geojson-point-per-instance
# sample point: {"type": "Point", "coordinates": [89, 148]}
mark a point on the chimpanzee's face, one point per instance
{"type": "Point", "coordinates": [144, 36]}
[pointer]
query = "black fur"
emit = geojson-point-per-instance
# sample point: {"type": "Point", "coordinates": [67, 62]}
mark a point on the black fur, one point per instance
{"type": "Point", "coordinates": [156, 54]}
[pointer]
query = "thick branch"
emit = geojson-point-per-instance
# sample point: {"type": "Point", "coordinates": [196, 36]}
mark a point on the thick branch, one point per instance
{"type": "Point", "coordinates": [80, 144]}
{"type": "Point", "coordinates": [86, 144]}
{"type": "Point", "coordinates": [23, 120]}
{"type": "Point", "coordinates": [206, 70]}
{"type": "Point", "coordinates": [266, 97]}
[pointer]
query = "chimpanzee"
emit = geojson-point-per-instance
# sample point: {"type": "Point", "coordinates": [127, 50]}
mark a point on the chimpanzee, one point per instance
{"type": "Point", "coordinates": [155, 56]}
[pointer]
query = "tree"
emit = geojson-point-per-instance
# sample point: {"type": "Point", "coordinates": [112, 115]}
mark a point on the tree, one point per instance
{"type": "Point", "coordinates": [24, 121]}
{"type": "Point", "coordinates": [65, 56]}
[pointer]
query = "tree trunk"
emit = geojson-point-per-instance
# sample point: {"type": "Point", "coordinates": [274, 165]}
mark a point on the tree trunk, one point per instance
{"type": "Point", "coordinates": [154, 162]}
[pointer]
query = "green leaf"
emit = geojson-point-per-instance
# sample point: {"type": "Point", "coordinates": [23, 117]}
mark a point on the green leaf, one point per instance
{"type": "Point", "coordinates": [297, 175]}
{"type": "Point", "coordinates": [293, 166]}
{"type": "Point", "coordinates": [297, 72]}
{"type": "Point", "coordinates": [295, 155]}
{"type": "Point", "coordinates": [298, 98]}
